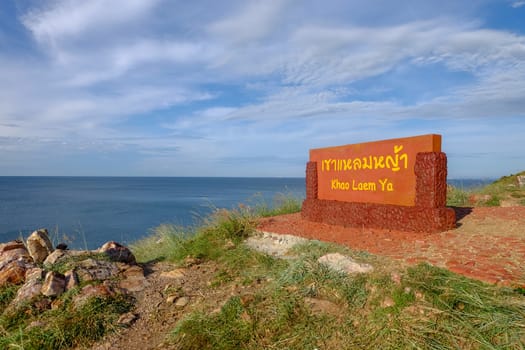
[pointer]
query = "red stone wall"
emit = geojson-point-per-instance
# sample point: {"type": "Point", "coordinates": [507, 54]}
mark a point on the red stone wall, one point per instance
{"type": "Point", "coordinates": [428, 215]}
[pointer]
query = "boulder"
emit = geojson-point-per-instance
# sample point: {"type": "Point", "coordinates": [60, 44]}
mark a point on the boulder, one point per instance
{"type": "Point", "coordinates": [71, 279]}
{"type": "Point", "coordinates": [17, 246]}
{"type": "Point", "coordinates": [133, 279]}
{"type": "Point", "coordinates": [11, 251]}
{"type": "Point", "coordinates": [54, 257]}
{"type": "Point", "coordinates": [39, 245]}
{"type": "Point", "coordinates": [117, 252]}
{"type": "Point", "coordinates": [54, 284]}
{"type": "Point", "coordinates": [14, 262]}
{"type": "Point", "coordinates": [60, 255]}
{"type": "Point", "coordinates": [96, 270]}
{"type": "Point", "coordinates": [13, 273]}
{"type": "Point", "coordinates": [31, 288]}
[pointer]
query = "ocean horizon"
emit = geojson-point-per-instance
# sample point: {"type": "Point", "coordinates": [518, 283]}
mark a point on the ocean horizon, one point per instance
{"type": "Point", "coordinates": [86, 211]}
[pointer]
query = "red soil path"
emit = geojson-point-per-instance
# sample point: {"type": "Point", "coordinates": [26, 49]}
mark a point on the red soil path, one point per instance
{"type": "Point", "coordinates": [488, 244]}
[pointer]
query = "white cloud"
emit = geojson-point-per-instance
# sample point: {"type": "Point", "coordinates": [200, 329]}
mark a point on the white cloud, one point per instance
{"type": "Point", "coordinates": [517, 4]}
{"type": "Point", "coordinates": [231, 80]}
{"type": "Point", "coordinates": [67, 19]}
{"type": "Point", "coordinates": [256, 20]}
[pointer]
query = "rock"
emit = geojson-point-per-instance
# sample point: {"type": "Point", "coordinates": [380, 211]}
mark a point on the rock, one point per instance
{"type": "Point", "coordinates": [54, 257]}
{"type": "Point", "coordinates": [92, 291]}
{"type": "Point", "coordinates": [60, 255]}
{"type": "Point", "coordinates": [273, 244]}
{"type": "Point", "coordinates": [127, 319]}
{"type": "Point", "coordinates": [71, 279]}
{"type": "Point", "coordinates": [521, 181]}
{"type": "Point", "coordinates": [190, 261]}
{"type": "Point", "coordinates": [182, 302]}
{"type": "Point", "coordinates": [42, 304]}
{"type": "Point", "coordinates": [13, 273]}
{"type": "Point", "coordinates": [14, 262]}
{"type": "Point", "coordinates": [321, 306]}
{"type": "Point", "coordinates": [387, 302]}
{"type": "Point", "coordinates": [54, 284]}
{"type": "Point", "coordinates": [31, 288]}
{"type": "Point", "coordinates": [39, 245]}
{"type": "Point", "coordinates": [133, 279]}
{"type": "Point", "coordinates": [117, 252]}
{"type": "Point", "coordinates": [177, 300]}
{"type": "Point", "coordinates": [174, 274]}
{"type": "Point", "coordinates": [96, 270]}
{"type": "Point", "coordinates": [342, 263]}
{"type": "Point", "coordinates": [13, 248]}
{"type": "Point", "coordinates": [171, 298]}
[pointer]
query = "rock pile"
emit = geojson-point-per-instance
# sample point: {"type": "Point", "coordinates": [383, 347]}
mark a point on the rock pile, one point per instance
{"type": "Point", "coordinates": [46, 273]}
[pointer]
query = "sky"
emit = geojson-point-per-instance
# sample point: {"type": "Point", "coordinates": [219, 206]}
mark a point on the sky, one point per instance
{"type": "Point", "coordinates": [246, 88]}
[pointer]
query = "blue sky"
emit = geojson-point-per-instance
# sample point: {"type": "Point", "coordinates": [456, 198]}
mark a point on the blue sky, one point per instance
{"type": "Point", "coordinates": [246, 88]}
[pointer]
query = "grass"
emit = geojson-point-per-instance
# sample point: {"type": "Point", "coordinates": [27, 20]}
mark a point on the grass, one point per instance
{"type": "Point", "coordinates": [169, 242]}
{"type": "Point", "coordinates": [505, 188]}
{"type": "Point", "coordinates": [430, 308]}
{"type": "Point", "coordinates": [63, 327]}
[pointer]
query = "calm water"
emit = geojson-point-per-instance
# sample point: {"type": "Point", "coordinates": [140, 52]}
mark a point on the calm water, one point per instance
{"type": "Point", "coordinates": [99, 209]}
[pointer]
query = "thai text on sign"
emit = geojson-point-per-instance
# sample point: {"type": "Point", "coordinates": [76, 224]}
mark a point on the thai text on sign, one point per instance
{"type": "Point", "coordinates": [372, 172]}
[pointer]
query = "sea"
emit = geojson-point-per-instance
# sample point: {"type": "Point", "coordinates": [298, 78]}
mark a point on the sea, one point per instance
{"type": "Point", "coordinates": [85, 212]}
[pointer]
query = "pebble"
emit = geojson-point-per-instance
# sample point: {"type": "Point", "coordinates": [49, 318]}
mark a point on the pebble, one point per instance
{"type": "Point", "coordinates": [182, 302]}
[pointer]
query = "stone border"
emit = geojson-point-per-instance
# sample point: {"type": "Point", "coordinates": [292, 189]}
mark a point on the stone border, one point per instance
{"type": "Point", "coordinates": [429, 214]}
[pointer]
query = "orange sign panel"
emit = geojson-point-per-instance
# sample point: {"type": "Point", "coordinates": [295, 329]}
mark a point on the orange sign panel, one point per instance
{"type": "Point", "coordinates": [372, 172]}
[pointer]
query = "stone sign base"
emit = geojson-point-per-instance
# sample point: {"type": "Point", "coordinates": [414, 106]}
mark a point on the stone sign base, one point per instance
{"type": "Point", "coordinates": [429, 214]}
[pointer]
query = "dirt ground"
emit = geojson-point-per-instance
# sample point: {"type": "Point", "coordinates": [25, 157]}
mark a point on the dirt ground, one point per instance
{"type": "Point", "coordinates": [157, 309]}
{"type": "Point", "coordinates": [488, 244]}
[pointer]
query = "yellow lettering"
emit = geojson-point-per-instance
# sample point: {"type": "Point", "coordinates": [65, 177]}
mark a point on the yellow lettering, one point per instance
{"type": "Point", "coordinates": [335, 184]}
{"type": "Point", "coordinates": [379, 162]}
{"type": "Point", "coordinates": [325, 164]}
{"type": "Point", "coordinates": [368, 162]}
{"type": "Point", "coordinates": [364, 186]}
{"type": "Point", "coordinates": [386, 185]}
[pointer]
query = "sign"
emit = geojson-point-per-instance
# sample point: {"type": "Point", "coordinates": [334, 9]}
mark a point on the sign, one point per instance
{"type": "Point", "coordinates": [373, 172]}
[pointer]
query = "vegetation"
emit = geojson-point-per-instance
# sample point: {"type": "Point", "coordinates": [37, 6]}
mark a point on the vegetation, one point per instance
{"type": "Point", "coordinates": [503, 189]}
{"type": "Point", "coordinates": [301, 304]}
{"type": "Point", "coordinates": [61, 327]}
{"type": "Point", "coordinates": [304, 305]}
{"type": "Point", "coordinates": [205, 241]}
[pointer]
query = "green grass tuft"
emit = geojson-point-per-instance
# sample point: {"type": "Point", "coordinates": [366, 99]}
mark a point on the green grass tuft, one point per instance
{"type": "Point", "coordinates": [224, 330]}
{"type": "Point", "coordinates": [64, 327]}
{"type": "Point", "coordinates": [457, 197]}
{"type": "Point", "coordinates": [284, 203]}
